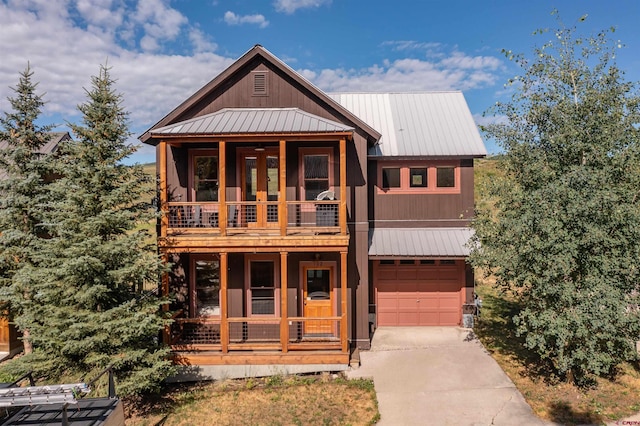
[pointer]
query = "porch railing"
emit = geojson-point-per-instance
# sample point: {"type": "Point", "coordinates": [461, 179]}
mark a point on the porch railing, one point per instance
{"type": "Point", "coordinates": [316, 216]}
{"type": "Point", "coordinates": [256, 333]}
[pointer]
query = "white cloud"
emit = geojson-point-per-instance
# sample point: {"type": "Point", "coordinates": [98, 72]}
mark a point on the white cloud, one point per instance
{"type": "Point", "coordinates": [65, 46]}
{"type": "Point", "coordinates": [454, 72]}
{"type": "Point", "coordinates": [290, 6]}
{"type": "Point", "coordinates": [233, 19]}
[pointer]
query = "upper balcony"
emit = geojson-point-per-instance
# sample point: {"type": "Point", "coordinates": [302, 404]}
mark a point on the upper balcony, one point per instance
{"type": "Point", "coordinates": [277, 193]}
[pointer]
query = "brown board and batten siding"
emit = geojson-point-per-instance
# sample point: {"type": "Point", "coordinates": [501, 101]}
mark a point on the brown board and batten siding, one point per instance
{"type": "Point", "coordinates": [389, 210]}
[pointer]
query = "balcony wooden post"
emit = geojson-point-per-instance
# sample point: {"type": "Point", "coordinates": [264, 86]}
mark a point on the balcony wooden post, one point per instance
{"type": "Point", "coordinates": [164, 219]}
{"type": "Point", "coordinates": [343, 187]}
{"type": "Point", "coordinates": [164, 290]}
{"type": "Point", "coordinates": [282, 210]}
{"type": "Point", "coordinates": [224, 322]}
{"type": "Point", "coordinates": [284, 314]}
{"type": "Point", "coordinates": [344, 338]}
{"type": "Point", "coordinates": [222, 187]}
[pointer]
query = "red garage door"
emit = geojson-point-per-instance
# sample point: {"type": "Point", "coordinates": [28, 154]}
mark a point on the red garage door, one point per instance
{"type": "Point", "coordinates": [419, 293]}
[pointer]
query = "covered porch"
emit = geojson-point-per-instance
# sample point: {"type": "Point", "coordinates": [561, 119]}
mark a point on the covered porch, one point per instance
{"type": "Point", "coordinates": [270, 308]}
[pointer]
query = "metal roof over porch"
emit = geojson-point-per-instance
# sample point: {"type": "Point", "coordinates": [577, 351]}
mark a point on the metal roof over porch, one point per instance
{"type": "Point", "coordinates": [254, 120]}
{"type": "Point", "coordinates": [419, 242]}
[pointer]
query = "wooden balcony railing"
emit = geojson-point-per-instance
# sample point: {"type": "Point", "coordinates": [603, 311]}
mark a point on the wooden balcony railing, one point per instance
{"type": "Point", "coordinates": [315, 216]}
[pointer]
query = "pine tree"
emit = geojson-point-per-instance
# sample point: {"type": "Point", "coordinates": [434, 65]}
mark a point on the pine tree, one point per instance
{"type": "Point", "coordinates": [565, 236]}
{"type": "Point", "coordinates": [23, 176]}
{"type": "Point", "coordinates": [92, 311]}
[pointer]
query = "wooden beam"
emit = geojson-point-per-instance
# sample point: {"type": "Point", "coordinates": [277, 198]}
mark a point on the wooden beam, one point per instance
{"type": "Point", "coordinates": [164, 283]}
{"type": "Point", "coordinates": [224, 314]}
{"type": "Point", "coordinates": [343, 186]}
{"type": "Point", "coordinates": [191, 358]}
{"type": "Point", "coordinates": [164, 220]}
{"type": "Point", "coordinates": [282, 216]}
{"type": "Point", "coordinates": [222, 187]}
{"type": "Point", "coordinates": [284, 320]}
{"type": "Point", "coordinates": [272, 244]}
{"type": "Point", "coordinates": [344, 337]}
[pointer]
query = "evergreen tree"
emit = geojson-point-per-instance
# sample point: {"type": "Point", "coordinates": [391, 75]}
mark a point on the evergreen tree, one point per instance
{"type": "Point", "coordinates": [23, 175]}
{"type": "Point", "coordinates": [565, 235]}
{"type": "Point", "coordinates": [93, 312]}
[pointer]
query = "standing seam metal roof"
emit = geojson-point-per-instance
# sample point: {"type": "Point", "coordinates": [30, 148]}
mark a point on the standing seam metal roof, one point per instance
{"type": "Point", "coordinates": [254, 120]}
{"type": "Point", "coordinates": [418, 123]}
{"type": "Point", "coordinates": [419, 242]}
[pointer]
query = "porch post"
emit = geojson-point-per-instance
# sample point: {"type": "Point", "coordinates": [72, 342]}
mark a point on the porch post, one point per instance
{"type": "Point", "coordinates": [284, 315]}
{"type": "Point", "coordinates": [344, 338]}
{"type": "Point", "coordinates": [222, 188]}
{"type": "Point", "coordinates": [224, 323]}
{"type": "Point", "coordinates": [282, 215]}
{"type": "Point", "coordinates": [164, 219]}
{"type": "Point", "coordinates": [343, 187]}
{"type": "Point", "coordinates": [164, 289]}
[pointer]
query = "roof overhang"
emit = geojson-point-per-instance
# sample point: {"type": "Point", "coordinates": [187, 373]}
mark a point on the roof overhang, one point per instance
{"type": "Point", "coordinates": [419, 242]}
{"type": "Point", "coordinates": [248, 124]}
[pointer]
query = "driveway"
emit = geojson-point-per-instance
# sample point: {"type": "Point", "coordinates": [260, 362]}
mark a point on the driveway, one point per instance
{"type": "Point", "coordinates": [440, 376]}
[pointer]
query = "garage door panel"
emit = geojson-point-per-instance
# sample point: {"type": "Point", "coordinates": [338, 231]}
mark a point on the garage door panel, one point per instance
{"type": "Point", "coordinates": [425, 295]}
{"type": "Point", "coordinates": [407, 274]}
{"type": "Point", "coordinates": [408, 318]}
{"type": "Point", "coordinates": [387, 273]}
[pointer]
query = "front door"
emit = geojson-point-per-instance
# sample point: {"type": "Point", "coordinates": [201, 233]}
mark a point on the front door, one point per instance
{"type": "Point", "coordinates": [260, 184]}
{"type": "Point", "coordinates": [318, 300]}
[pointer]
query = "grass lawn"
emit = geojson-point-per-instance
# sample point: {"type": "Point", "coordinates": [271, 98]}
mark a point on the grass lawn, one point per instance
{"type": "Point", "coordinates": [550, 398]}
{"type": "Point", "coordinates": [293, 400]}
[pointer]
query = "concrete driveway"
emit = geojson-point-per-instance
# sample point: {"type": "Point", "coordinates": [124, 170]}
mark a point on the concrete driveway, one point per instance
{"type": "Point", "coordinates": [440, 376]}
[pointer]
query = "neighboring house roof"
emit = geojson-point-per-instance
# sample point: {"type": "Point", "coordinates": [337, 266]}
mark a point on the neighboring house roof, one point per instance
{"type": "Point", "coordinates": [253, 120]}
{"type": "Point", "coordinates": [50, 146]}
{"type": "Point", "coordinates": [418, 242]}
{"type": "Point", "coordinates": [426, 124]}
{"type": "Point", "coordinates": [250, 55]}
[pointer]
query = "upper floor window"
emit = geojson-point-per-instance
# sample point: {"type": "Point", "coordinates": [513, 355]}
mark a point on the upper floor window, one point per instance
{"type": "Point", "coordinates": [204, 175]}
{"type": "Point", "coordinates": [418, 177]}
{"type": "Point", "coordinates": [315, 171]}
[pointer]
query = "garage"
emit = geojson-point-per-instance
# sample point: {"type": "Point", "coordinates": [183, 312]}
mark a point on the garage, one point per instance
{"type": "Point", "coordinates": [419, 292]}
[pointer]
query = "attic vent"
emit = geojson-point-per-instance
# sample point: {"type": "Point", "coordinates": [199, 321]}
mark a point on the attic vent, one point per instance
{"type": "Point", "coordinates": [260, 83]}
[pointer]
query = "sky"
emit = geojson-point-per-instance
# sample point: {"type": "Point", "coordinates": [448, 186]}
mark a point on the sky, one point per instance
{"type": "Point", "coordinates": [161, 51]}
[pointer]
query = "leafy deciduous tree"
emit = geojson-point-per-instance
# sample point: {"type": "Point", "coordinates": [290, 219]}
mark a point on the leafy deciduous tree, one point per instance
{"type": "Point", "coordinates": [565, 234]}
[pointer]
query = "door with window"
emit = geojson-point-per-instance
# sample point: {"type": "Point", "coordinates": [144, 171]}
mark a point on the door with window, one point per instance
{"type": "Point", "coordinates": [260, 184]}
{"type": "Point", "coordinates": [318, 300]}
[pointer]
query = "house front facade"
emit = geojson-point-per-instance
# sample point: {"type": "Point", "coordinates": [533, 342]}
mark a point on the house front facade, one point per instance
{"type": "Point", "coordinates": [296, 221]}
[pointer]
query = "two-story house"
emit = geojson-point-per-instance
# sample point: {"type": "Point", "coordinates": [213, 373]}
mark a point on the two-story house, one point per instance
{"type": "Point", "coordinates": [295, 221]}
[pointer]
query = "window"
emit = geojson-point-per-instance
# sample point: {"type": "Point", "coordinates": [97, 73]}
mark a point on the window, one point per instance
{"type": "Point", "coordinates": [446, 177]}
{"type": "Point", "coordinates": [407, 262]}
{"type": "Point", "coordinates": [387, 262]}
{"type": "Point", "coordinates": [447, 262]}
{"type": "Point", "coordinates": [427, 262]}
{"type": "Point", "coordinates": [418, 177]}
{"type": "Point", "coordinates": [390, 177]}
{"type": "Point", "coordinates": [204, 176]}
{"type": "Point", "coordinates": [315, 172]}
{"type": "Point", "coordinates": [262, 290]}
{"type": "Point", "coordinates": [206, 284]}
